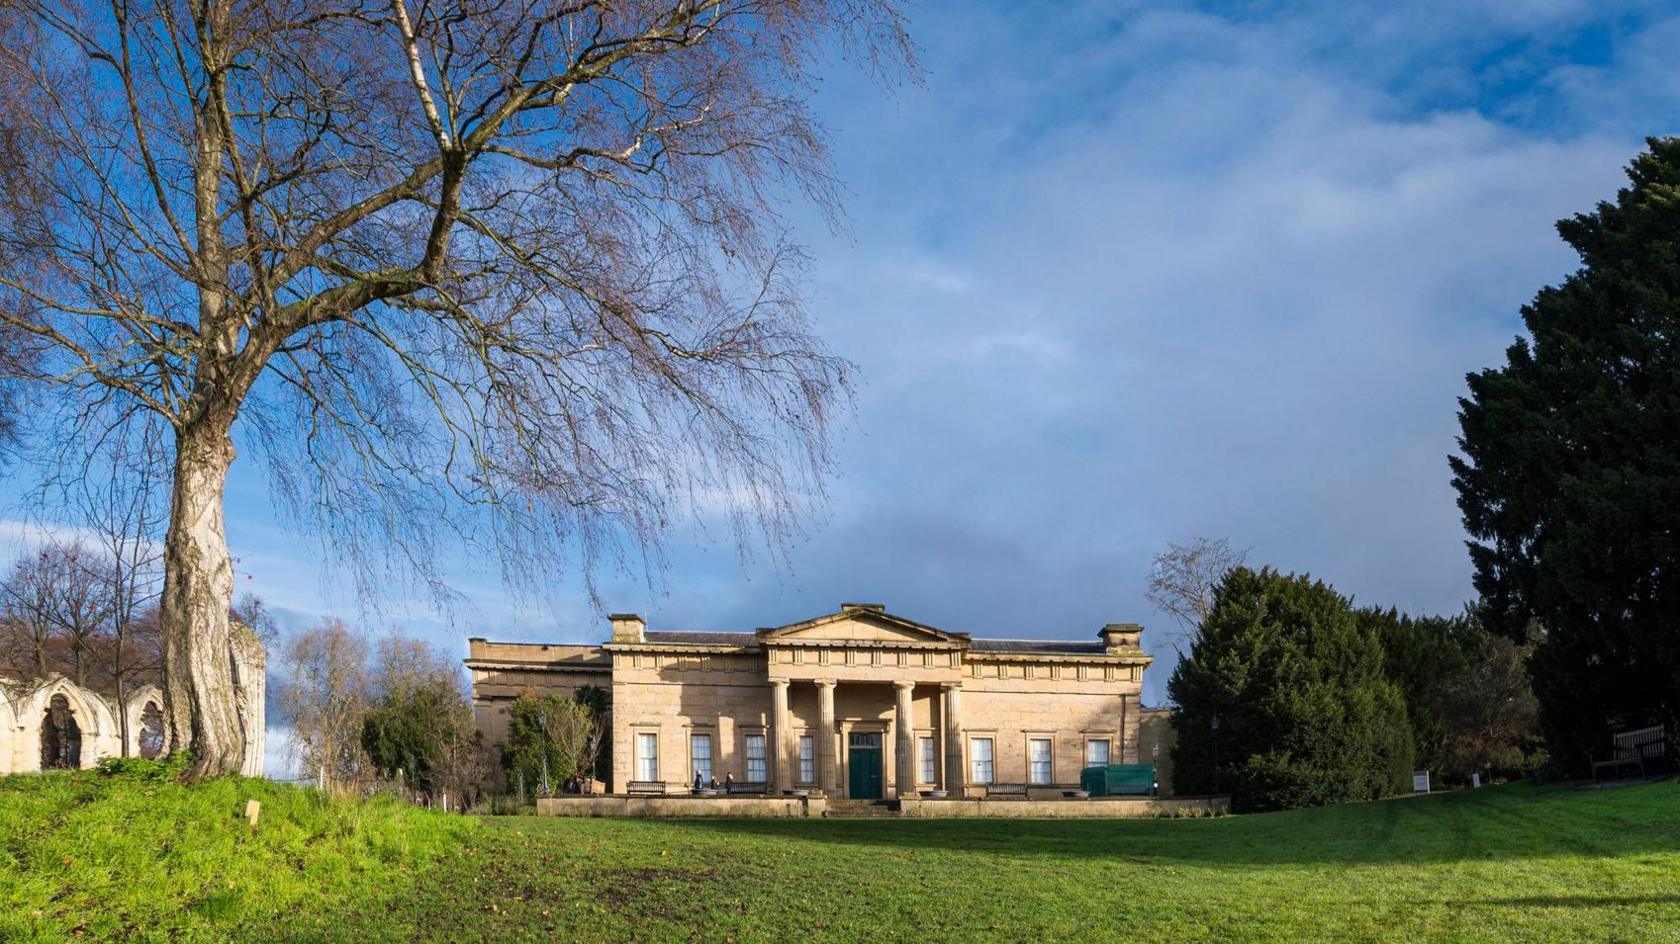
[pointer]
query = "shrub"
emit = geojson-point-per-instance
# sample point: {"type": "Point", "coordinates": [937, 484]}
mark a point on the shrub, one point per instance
{"type": "Point", "coordinates": [1283, 701]}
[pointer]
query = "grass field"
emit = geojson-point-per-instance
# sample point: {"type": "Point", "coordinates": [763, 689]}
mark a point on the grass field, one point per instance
{"type": "Point", "coordinates": [119, 858]}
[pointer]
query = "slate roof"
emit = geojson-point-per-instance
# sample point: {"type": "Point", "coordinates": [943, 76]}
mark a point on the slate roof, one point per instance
{"type": "Point", "coordinates": [1038, 645]}
{"type": "Point", "coordinates": [693, 638]}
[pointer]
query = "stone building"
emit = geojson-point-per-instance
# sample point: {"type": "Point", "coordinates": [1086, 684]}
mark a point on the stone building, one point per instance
{"type": "Point", "coordinates": [53, 723]}
{"type": "Point", "coordinates": [860, 704]}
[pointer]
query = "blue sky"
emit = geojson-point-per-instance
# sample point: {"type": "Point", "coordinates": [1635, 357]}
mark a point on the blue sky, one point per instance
{"type": "Point", "coordinates": [1122, 274]}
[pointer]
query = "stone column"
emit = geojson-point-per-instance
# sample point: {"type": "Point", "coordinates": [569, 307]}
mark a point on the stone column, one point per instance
{"type": "Point", "coordinates": [781, 729]}
{"type": "Point", "coordinates": [956, 775]}
{"type": "Point", "coordinates": [904, 774]}
{"type": "Point", "coordinates": [828, 758]}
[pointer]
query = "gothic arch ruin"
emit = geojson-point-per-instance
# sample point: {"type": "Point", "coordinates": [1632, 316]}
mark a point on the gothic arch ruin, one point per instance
{"type": "Point", "coordinates": [55, 723]}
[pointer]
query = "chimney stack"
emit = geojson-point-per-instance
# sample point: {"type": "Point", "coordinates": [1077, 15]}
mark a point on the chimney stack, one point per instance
{"type": "Point", "coordinates": [628, 627]}
{"type": "Point", "coordinates": [1121, 637]}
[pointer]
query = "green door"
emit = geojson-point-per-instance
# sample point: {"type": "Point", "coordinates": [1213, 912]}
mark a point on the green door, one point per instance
{"type": "Point", "coordinates": [864, 762]}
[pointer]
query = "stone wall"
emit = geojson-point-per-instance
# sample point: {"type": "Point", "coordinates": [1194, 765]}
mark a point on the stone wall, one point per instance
{"type": "Point", "coordinates": [681, 806]}
{"type": "Point", "coordinates": [1157, 732]}
{"type": "Point", "coordinates": [794, 807]}
{"type": "Point", "coordinates": [502, 671]}
{"type": "Point", "coordinates": [673, 696]}
{"type": "Point", "coordinates": [1094, 808]}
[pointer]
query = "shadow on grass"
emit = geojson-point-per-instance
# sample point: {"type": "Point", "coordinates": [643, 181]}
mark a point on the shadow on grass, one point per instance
{"type": "Point", "coordinates": [1494, 824]}
{"type": "Point", "coordinates": [1564, 901]}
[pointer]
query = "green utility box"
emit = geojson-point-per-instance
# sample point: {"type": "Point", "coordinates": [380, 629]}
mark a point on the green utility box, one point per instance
{"type": "Point", "coordinates": [1118, 780]}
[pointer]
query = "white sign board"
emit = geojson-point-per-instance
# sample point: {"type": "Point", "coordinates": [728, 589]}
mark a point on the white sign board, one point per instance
{"type": "Point", "coordinates": [1420, 781]}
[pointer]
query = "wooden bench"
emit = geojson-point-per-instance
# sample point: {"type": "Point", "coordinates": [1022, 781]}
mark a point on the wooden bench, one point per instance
{"type": "Point", "coordinates": [747, 786]}
{"type": "Point", "coordinates": [1642, 748]}
{"type": "Point", "coordinates": [646, 788]}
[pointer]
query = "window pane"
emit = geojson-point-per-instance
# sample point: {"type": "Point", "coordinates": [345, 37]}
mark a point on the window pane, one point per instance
{"type": "Point", "coordinates": [700, 756]}
{"type": "Point", "coordinates": [1096, 753]}
{"type": "Point", "coordinates": [980, 757]}
{"type": "Point", "coordinates": [1038, 756]}
{"type": "Point", "coordinates": [756, 770]}
{"type": "Point", "coordinates": [807, 759]}
{"type": "Point", "coordinates": [928, 771]}
{"type": "Point", "coordinates": [647, 757]}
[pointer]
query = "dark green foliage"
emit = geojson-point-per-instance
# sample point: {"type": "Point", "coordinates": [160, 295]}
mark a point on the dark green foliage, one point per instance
{"type": "Point", "coordinates": [1419, 654]}
{"type": "Point", "coordinates": [550, 739]}
{"type": "Point", "coordinates": [159, 770]}
{"type": "Point", "coordinates": [1569, 480]}
{"type": "Point", "coordinates": [426, 731]}
{"type": "Point", "coordinates": [599, 702]}
{"type": "Point", "coordinates": [1467, 694]}
{"type": "Point", "coordinates": [1296, 680]}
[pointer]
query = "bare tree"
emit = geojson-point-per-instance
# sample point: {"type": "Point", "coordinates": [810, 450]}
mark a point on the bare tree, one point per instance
{"type": "Point", "coordinates": [254, 612]}
{"type": "Point", "coordinates": [83, 604]}
{"type": "Point", "coordinates": [28, 598]}
{"type": "Point", "coordinates": [508, 273]}
{"type": "Point", "coordinates": [402, 662]}
{"type": "Point", "coordinates": [58, 603]}
{"type": "Point", "coordinates": [122, 510]}
{"type": "Point", "coordinates": [1182, 579]}
{"type": "Point", "coordinates": [323, 694]}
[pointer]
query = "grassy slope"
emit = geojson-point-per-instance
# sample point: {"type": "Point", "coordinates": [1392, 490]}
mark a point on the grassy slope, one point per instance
{"type": "Point", "coordinates": [1513, 863]}
{"type": "Point", "coordinates": [127, 858]}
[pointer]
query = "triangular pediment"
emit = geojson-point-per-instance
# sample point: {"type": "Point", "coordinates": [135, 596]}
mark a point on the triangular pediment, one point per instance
{"type": "Point", "coordinates": [860, 623]}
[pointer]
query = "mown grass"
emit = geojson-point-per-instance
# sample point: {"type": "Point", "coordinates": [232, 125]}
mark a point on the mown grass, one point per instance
{"type": "Point", "coordinates": [139, 857]}
{"type": "Point", "coordinates": [1515, 863]}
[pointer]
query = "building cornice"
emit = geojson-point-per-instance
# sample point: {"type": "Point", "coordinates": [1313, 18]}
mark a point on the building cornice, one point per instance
{"type": "Point", "coordinates": [681, 647]}
{"type": "Point", "coordinates": [1097, 658]}
{"type": "Point", "coordinates": [602, 665]}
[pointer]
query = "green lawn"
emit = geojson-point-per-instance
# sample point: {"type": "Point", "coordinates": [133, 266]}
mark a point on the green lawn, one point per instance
{"type": "Point", "coordinates": [121, 859]}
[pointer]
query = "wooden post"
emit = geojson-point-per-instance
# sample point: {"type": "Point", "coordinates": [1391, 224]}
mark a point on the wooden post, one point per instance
{"type": "Point", "coordinates": [253, 809]}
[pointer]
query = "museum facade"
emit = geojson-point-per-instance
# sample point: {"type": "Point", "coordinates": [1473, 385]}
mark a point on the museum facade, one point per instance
{"type": "Point", "coordinates": [857, 704]}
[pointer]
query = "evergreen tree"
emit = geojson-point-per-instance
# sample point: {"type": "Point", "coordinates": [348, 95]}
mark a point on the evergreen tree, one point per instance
{"type": "Point", "coordinates": [1466, 690]}
{"type": "Point", "coordinates": [426, 731]}
{"type": "Point", "coordinates": [1283, 701]}
{"type": "Point", "coordinates": [1569, 479]}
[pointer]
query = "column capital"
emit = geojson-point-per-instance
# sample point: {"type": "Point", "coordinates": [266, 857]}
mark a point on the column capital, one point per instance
{"type": "Point", "coordinates": [825, 683]}
{"type": "Point", "coordinates": [951, 686]}
{"type": "Point", "coordinates": [903, 684]}
{"type": "Point", "coordinates": [779, 683]}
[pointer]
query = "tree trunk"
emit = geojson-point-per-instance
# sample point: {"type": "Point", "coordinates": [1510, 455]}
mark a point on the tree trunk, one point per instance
{"type": "Point", "coordinates": [202, 711]}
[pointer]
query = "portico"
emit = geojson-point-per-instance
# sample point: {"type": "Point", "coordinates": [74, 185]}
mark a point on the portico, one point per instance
{"type": "Point", "coordinates": [859, 704]}
{"type": "Point", "coordinates": [900, 721]}
{"type": "Point", "coordinates": [889, 676]}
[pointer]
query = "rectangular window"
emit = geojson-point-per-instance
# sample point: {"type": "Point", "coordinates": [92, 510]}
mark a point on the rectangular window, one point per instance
{"type": "Point", "coordinates": [1038, 760]}
{"type": "Point", "coordinates": [928, 769]}
{"type": "Point", "coordinates": [700, 757]}
{"type": "Point", "coordinates": [756, 770]}
{"type": "Point", "coordinates": [980, 760]}
{"type": "Point", "coordinates": [1096, 753]}
{"type": "Point", "coordinates": [647, 756]}
{"type": "Point", "coordinates": [807, 758]}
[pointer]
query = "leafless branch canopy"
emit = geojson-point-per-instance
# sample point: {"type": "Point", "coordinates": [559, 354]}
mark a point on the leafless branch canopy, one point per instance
{"type": "Point", "coordinates": [506, 272]}
{"type": "Point", "coordinates": [1182, 579]}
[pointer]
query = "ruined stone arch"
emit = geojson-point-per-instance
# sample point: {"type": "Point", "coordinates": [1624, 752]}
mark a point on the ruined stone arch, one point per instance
{"type": "Point", "coordinates": [96, 729]}
{"type": "Point", "coordinates": [148, 733]}
{"type": "Point", "coordinates": [95, 725]}
{"type": "Point", "coordinates": [10, 727]}
{"type": "Point", "coordinates": [24, 707]}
